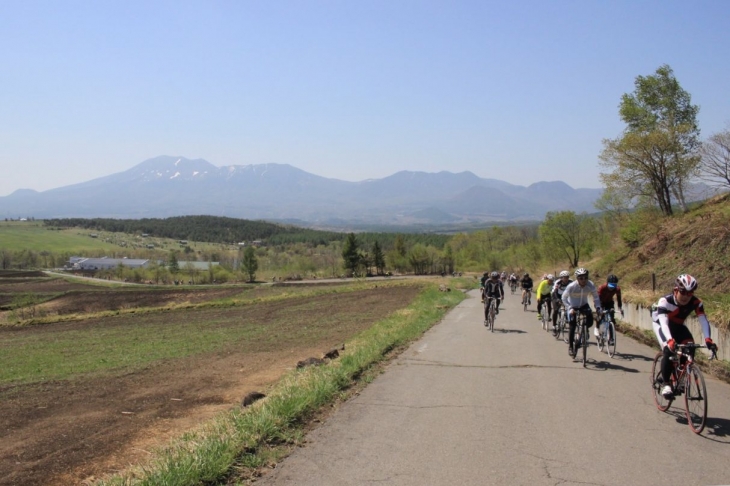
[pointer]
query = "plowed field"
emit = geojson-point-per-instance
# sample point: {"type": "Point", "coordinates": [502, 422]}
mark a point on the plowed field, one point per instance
{"type": "Point", "coordinates": [70, 431]}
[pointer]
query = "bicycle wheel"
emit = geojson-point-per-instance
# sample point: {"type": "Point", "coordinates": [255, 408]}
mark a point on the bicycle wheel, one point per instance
{"type": "Point", "coordinates": [486, 312]}
{"type": "Point", "coordinates": [564, 329]}
{"type": "Point", "coordinates": [492, 316]}
{"type": "Point", "coordinates": [584, 343]}
{"type": "Point", "coordinates": [524, 302]}
{"type": "Point", "coordinates": [576, 339]}
{"type": "Point", "coordinates": [695, 399]}
{"type": "Point", "coordinates": [611, 345]}
{"type": "Point", "coordinates": [657, 383]}
{"type": "Point", "coordinates": [601, 340]}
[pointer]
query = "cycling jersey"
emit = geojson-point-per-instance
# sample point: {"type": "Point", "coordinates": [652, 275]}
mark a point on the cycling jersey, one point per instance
{"type": "Point", "coordinates": [576, 296]}
{"type": "Point", "coordinates": [559, 288]}
{"type": "Point", "coordinates": [669, 315]}
{"type": "Point", "coordinates": [606, 294]}
{"type": "Point", "coordinates": [526, 283]}
{"type": "Point", "coordinates": [544, 288]}
{"type": "Point", "coordinates": [494, 288]}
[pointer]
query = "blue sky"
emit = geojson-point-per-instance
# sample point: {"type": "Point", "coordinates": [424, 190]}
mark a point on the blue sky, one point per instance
{"type": "Point", "coordinates": [519, 91]}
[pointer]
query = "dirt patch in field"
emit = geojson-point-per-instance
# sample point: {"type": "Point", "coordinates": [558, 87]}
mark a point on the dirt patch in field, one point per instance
{"type": "Point", "coordinates": [61, 297]}
{"type": "Point", "coordinates": [70, 432]}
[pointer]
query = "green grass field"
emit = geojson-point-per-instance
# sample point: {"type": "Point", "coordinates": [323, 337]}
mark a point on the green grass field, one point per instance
{"type": "Point", "coordinates": [33, 235]}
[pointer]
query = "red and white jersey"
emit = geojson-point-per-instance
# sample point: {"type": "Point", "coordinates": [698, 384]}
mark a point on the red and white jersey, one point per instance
{"type": "Point", "coordinates": [668, 311]}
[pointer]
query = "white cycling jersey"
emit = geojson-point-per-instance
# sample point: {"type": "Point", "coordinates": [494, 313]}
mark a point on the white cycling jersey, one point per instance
{"type": "Point", "coordinates": [576, 296]}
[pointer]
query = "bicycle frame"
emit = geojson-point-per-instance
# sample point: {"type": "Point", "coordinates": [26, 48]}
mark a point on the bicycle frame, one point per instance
{"type": "Point", "coordinates": [581, 334]}
{"type": "Point", "coordinates": [604, 337]}
{"type": "Point", "coordinates": [685, 379]}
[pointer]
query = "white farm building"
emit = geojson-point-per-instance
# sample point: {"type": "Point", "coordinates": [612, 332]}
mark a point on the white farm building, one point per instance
{"type": "Point", "coordinates": [79, 263]}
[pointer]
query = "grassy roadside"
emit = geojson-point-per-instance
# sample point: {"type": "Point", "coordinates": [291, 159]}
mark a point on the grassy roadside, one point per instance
{"type": "Point", "coordinates": [239, 441]}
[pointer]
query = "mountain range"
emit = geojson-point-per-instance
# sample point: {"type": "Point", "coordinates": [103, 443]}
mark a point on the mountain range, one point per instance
{"type": "Point", "coordinates": [175, 186]}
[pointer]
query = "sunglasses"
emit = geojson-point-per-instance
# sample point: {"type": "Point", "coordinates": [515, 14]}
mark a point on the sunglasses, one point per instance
{"type": "Point", "coordinates": [582, 278]}
{"type": "Point", "coordinates": [685, 292]}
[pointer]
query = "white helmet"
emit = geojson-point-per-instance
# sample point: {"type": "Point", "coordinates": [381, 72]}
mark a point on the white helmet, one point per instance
{"type": "Point", "coordinates": [564, 273]}
{"type": "Point", "coordinates": [686, 282]}
{"type": "Point", "coordinates": [550, 276]}
{"type": "Point", "coordinates": [581, 272]}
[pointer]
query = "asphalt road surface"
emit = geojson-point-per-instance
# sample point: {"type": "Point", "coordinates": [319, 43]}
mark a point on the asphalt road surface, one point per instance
{"type": "Point", "coordinates": [463, 406]}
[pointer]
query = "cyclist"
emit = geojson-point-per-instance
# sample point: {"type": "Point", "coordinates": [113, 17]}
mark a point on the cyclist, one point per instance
{"type": "Point", "coordinates": [557, 294]}
{"type": "Point", "coordinates": [493, 289]}
{"type": "Point", "coordinates": [544, 289]}
{"type": "Point", "coordinates": [526, 284]}
{"type": "Point", "coordinates": [513, 282]}
{"type": "Point", "coordinates": [503, 277]}
{"type": "Point", "coordinates": [669, 316]}
{"type": "Point", "coordinates": [575, 299]}
{"type": "Point", "coordinates": [484, 278]}
{"type": "Point", "coordinates": [606, 293]}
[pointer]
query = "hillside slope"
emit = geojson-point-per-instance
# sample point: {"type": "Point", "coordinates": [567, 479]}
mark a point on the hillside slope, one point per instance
{"type": "Point", "coordinates": [697, 242]}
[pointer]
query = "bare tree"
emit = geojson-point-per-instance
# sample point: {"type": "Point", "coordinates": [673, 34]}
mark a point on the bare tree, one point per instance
{"type": "Point", "coordinates": [715, 167]}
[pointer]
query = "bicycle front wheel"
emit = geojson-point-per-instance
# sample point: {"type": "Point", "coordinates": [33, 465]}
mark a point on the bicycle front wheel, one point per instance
{"type": "Point", "coordinates": [695, 399]}
{"type": "Point", "coordinates": [584, 342]}
{"type": "Point", "coordinates": [611, 339]}
{"type": "Point", "coordinates": [657, 383]}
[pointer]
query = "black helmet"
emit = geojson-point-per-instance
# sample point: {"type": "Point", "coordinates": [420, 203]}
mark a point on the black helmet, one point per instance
{"type": "Point", "coordinates": [526, 274]}
{"type": "Point", "coordinates": [612, 279]}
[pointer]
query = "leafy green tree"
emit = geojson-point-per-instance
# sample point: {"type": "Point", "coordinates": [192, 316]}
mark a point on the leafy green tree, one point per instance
{"type": "Point", "coordinates": [378, 258]}
{"type": "Point", "coordinates": [250, 263]}
{"type": "Point", "coordinates": [447, 260]}
{"type": "Point", "coordinates": [569, 235]}
{"type": "Point", "coordinates": [400, 245]}
{"type": "Point", "coordinates": [6, 259]}
{"type": "Point", "coordinates": [658, 152]}
{"type": "Point", "coordinates": [351, 254]}
{"type": "Point", "coordinates": [420, 259]}
{"type": "Point", "coordinates": [172, 263]}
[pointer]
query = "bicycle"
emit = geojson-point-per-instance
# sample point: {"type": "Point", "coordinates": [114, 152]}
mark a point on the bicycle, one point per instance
{"type": "Point", "coordinates": [687, 380]}
{"type": "Point", "coordinates": [513, 287]}
{"type": "Point", "coordinates": [490, 313]}
{"type": "Point", "coordinates": [604, 336]}
{"type": "Point", "coordinates": [525, 299]}
{"type": "Point", "coordinates": [580, 340]}
{"type": "Point", "coordinates": [560, 324]}
{"type": "Point", "coordinates": [546, 319]}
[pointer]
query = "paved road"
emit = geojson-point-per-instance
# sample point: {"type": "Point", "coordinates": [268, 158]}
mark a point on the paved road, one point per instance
{"type": "Point", "coordinates": [465, 407]}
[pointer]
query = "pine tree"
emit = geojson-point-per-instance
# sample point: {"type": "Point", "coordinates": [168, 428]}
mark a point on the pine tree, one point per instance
{"type": "Point", "coordinates": [351, 254]}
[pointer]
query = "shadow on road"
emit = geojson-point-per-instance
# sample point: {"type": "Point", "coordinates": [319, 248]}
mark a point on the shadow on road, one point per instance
{"type": "Point", "coordinates": [605, 365]}
{"type": "Point", "coordinates": [632, 357]}
{"type": "Point", "coordinates": [716, 429]}
{"type": "Point", "coordinates": [510, 331]}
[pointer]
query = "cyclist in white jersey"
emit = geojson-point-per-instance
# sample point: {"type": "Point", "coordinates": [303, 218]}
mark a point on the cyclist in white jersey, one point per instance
{"type": "Point", "coordinates": [575, 299]}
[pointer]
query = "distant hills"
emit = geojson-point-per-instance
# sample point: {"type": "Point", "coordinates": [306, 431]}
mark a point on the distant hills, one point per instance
{"type": "Point", "coordinates": [175, 186]}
